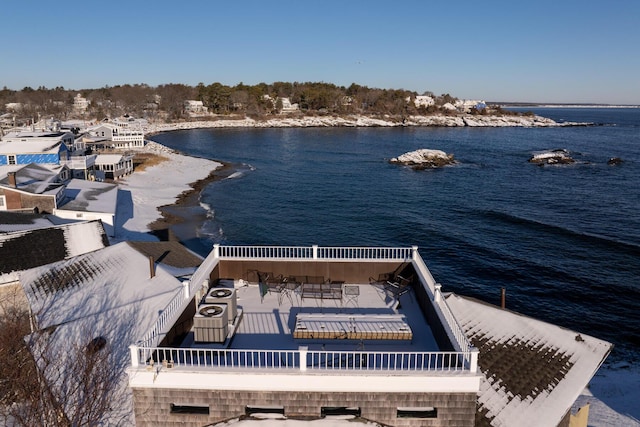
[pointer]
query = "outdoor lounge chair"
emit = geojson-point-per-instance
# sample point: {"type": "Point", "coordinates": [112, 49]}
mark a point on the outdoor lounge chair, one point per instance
{"type": "Point", "coordinates": [399, 286]}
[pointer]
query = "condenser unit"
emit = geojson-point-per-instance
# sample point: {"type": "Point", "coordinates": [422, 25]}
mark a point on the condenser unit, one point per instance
{"type": "Point", "coordinates": [224, 296]}
{"type": "Point", "coordinates": [211, 323]}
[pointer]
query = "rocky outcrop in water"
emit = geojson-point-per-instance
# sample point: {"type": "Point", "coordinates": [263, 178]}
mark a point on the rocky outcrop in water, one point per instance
{"type": "Point", "coordinates": [614, 161]}
{"type": "Point", "coordinates": [424, 159]}
{"type": "Point", "coordinates": [552, 157]}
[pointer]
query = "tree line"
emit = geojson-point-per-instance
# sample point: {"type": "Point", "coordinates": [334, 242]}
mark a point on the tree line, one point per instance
{"type": "Point", "coordinates": [166, 101]}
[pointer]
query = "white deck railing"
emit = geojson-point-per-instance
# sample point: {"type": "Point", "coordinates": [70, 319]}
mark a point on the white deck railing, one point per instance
{"type": "Point", "coordinates": [314, 253]}
{"type": "Point", "coordinates": [302, 359]}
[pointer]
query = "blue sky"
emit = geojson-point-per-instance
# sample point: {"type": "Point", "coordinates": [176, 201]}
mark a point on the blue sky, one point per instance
{"type": "Point", "coordinates": [538, 51]}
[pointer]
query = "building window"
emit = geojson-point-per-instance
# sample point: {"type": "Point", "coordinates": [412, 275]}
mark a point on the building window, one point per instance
{"type": "Point", "coordinates": [327, 411]}
{"type": "Point", "coordinates": [189, 409]}
{"type": "Point", "coordinates": [11, 159]}
{"type": "Point", "coordinates": [250, 410]}
{"type": "Point", "coordinates": [3, 203]}
{"type": "Point", "coordinates": [420, 412]}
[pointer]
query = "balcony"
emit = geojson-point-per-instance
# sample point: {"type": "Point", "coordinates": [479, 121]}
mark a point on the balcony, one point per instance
{"type": "Point", "coordinates": [353, 334]}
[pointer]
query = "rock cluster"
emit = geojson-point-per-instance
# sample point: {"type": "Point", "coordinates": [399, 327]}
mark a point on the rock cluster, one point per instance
{"type": "Point", "coordinates": [424, 159]}
{"type": "Point", "coordinates": [614, 161]}
{"type": "Point", "coordinates": [553, 157]}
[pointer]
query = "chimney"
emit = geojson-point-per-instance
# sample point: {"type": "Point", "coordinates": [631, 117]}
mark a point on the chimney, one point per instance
{"type": "Point", "coordinates": [152, 269]}
{"type": "Point", "coordinates": [503, 298]}
{"type": "Point", "coordinates": [12, 179]}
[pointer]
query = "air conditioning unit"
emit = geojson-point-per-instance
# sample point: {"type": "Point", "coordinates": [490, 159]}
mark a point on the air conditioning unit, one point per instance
{"type": "Point", "coordinates": [224, 296]}
{"type": "Point", "coordinates": [211, 323]}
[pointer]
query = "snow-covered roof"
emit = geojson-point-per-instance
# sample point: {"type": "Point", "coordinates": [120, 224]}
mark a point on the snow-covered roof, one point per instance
{"type": "Point", "coordinates": [109, 159]}
{"type": "Point", "coordinates": [532, 371]}
{"type": "Point", "coordinates": [90, 196]}
{"type": "Point", "coordinates": [111, 280]}
{"type": "Point", "coordinates": [32, 178]}
{"type": "Point", "coordinates": [20, 221]}
{"type": "Point", "coordinates": [22, 250]}
{"type": "Point", "coordinates": [32, 142]}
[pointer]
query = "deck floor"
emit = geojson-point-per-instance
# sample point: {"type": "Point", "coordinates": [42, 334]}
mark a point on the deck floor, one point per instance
{"type": "Point", "coordinates": [268, 322]}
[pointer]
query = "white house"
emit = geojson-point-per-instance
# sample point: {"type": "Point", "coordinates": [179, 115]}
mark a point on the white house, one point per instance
{"type": "Point", "coordinates": [422, 101]}
{"type": "Point", "coordinates": [465, 105]}
{"type": "Point", "coordinates": [80, 104]}
{"type": "Point", "coordinates": [195, 107]}
{"type": "Point", "coordinates": [288, 107]}
{"type": "Point", "coordinates": [118, 135]}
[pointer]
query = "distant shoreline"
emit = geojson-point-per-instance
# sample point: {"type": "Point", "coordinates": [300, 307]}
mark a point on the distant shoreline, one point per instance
{"type": "Point", "coordinates": [436, 120]}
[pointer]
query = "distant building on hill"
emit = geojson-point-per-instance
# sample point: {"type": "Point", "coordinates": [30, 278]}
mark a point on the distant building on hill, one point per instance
{"type": "Point", "coordinates": [466, 105]}
{"type": "Point", "coordinates": [80, 104]}
{"type": "Point", "coordinates": [422, 101]}
{"type": "Point", "coordinates": [196, 108]}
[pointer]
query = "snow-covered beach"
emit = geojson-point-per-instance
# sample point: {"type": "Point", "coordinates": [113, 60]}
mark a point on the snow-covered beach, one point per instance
{"type": "Point", "coordinates": [143, 193]}
{"type": "Point", "coordinates": [613, 393]}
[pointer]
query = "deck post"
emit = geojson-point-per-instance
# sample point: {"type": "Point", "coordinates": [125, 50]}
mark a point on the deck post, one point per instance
{"type": "Point", "coordinates": [303, 357]}
{"type": "Point", "coordinates": [473, 363]}
{"type": "Point", "coordinates": [185, 288]}
{"type": "Point", "coordinates": [315, 251]}
{"type": "Point", "coordinates": [216, 250]}
{"type": "Point", "coordinates": [414, 253]}
{"type": "Point", "coordinates": [133, 350]}
{"type": "Point", "coordinates": [436, 294]}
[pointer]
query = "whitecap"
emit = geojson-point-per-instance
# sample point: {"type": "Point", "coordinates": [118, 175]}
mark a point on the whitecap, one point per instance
{"type": "Point", "coordinates": [235, 175]}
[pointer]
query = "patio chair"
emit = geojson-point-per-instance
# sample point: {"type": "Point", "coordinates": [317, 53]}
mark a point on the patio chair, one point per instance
{"type": "Point", "coordinates": [384, 278]}
{"type": "Point", "coordinates": [399, 286]}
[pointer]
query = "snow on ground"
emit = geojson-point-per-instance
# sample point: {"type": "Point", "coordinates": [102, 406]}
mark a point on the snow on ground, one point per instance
{"type": "Point", "coordinates": [613, 396]}
{"type": "Point", "coordinates": [142, 192]}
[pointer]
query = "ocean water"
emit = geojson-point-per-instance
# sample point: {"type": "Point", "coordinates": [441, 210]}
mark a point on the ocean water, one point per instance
{"type": "Point", "coordinates": [563, 240]}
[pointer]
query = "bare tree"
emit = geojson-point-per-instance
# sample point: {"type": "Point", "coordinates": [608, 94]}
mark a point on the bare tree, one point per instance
{"type": "Point", "coordinates": [59, 376]}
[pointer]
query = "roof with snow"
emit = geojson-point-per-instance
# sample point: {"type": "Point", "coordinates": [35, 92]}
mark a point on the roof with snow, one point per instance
{"type": "Point", "coordinates": [19, 221]}
{"type": "Point", "coordinates": [22, 250]}
{"type": "Point", "coordinates": [114, 279]}
{"type": "Point", "coordinates": [109, 159]}
{"type": "Point", "coordinates": [32, 178]}
{"type": "Point", "coordinates": [32, 142]}
{"type": "Point", "coordinates": [172, 254]}
{"type": "Point", "coordinates": [90, 196]}
{"type": "Point", "coordinates": [532, 371]}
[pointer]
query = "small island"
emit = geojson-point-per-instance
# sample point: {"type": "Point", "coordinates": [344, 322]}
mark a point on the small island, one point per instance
{"type": "Point", "coordinates": [424, 159]}
{"type": "Point", "coordinates": [553, 157]}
